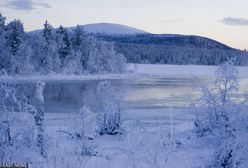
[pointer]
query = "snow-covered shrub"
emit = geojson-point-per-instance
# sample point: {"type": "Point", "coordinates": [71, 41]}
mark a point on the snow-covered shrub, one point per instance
{"type": "Point", "coordinates": [84, 130]}
{"type": "Point", "coordinates": [3, 72]}
{"type": "Point", "coordinates": [5, 92]}
{"type": "Point", "coordinates": [232, 152]}
{"type": "Point", "coordinates": [16, 122]}
{"type": "Point", "coordinates": [151, 147]}
{"type": "Point", "coordinates": [110, 108]}
{"type": "Point", "coordinates": [217, 105]}
{"type": "Point", "coordinates": [158, 147]}
{"type": "Point", "coordinates": [222, 116]}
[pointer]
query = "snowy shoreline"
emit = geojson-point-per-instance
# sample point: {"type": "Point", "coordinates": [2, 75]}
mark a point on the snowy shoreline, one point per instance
{"type": "Point", "coordinates": [162, 70]}
{"type": "Point", "coordinates": [133, 70]}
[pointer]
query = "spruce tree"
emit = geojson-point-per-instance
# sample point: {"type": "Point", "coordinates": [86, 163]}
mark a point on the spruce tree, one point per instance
{"type": "Point", "coordinates": [64, 43]}
{"type": "Point", "coordinates": [78, 37]}
{"type": "Point", "coordinates": [2, 22]}
{"type": "Point", "coordinates": [79, 44]}
{"type": "Point", "coordinates": [47, 33]}
{"type": "Point", "coordinates": [2, 42]}
{"type": "Point", "coordinates": [15, 37]}
{"type": "Point", "coordinates": [45, 62]}
{"type": "Point", "coordinates": [49, 61]}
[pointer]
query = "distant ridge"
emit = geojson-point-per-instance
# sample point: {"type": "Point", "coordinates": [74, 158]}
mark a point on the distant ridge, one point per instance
{"type": "Point", "coordinates": [105, 28]}
{"type": "Point", "coordinates": [125, 34]}
{"type": "Point", "coordinates": [173, 49]}
{"type": "Point", "coordinates": [112, 29]}
{"type": "Point", "coordinates": [169, 40]}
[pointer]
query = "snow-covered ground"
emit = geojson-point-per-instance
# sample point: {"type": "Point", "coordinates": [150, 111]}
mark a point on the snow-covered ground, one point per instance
{"type": "Point", "coordinates": [139, 146]}
{"type": "Point", "coordinates": [163, 70]}
{"type": "Point", "coordinates": [152, 138]}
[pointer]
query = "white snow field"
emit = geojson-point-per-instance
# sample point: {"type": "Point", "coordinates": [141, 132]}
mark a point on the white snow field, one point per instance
{"type": "Point", "coordinates": [152, 138]}
{"type": "Point", "coordinates": [139, 146]}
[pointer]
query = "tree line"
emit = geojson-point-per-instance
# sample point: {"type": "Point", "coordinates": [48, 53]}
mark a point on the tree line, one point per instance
{"type": "Point", "coordinates": [54, 51]}
{"type": "Point", "coordinates": [174, 49]}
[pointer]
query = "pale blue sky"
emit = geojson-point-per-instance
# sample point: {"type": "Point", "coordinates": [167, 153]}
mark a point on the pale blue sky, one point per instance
{"type": "Point", "coordinates": [222, 20]}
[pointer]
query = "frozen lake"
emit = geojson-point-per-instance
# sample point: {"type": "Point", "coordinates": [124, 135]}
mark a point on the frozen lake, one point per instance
{"type": "Point", "coordinates": [139, 93]}
{"type": "Point", "coordinates": [67, 96]}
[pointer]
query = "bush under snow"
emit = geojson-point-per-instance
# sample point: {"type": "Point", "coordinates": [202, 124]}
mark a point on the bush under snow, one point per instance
{"type": "Point", "coordinates": [111, 109]}
{"type": "Point", "coordinates": [222, 116]}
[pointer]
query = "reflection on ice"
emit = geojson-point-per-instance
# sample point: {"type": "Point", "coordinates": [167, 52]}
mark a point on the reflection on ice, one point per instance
{"type": "Point", "coordinates": [138, 93]}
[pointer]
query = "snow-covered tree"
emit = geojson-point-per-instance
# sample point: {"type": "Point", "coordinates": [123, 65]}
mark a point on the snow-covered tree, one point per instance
{"type": "Point", "coordinates": [22, 124]}
{"type": "Point", "coordinates": [48, 33]}
{"type": "Point", "coordinates": [2, 42]}
{"type": "Point", "coordinates": [73, 65]}
{"type": "Point", "coordinates": [227, 82]}
{"type": "Point", "coordinates": [104, 59]}
{"type": "Point", "coordinates": [217, 103]}
{"type": "Point", "coordinates": [223, 117]}
{"type": "Point", "coordinates": [64, 44]}
{"type": "Point", "coordinates": [110, 108]}
{"type": "Point", "coordinates": [55, 51]}
{"type": "Point", "coordinates": [39, 118]}
{"type": "Point", "coordinates": [17, 124]}
{"type": "Point", "coordinates": [2, 21]}
{"type": "Point", "coordinates": [84, 132]}
{"type": "Point", "coordinates": [23, 63]}
{"type": "Point", "coordinates": [15, 37]}
{"type": "Point", "coordinates": [80, 46]}
{"type": "Point", "coordinates": [49, 59]}
{"type": "Point", "coordinates": [19, 52]}
{"type": "Point", "coordinates": [78, 37]}
{"type": "Point", "coordinates": [6, 97]}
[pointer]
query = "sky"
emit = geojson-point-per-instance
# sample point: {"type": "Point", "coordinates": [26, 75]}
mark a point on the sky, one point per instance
{"type": "Point", "coordinates": [222, 20]}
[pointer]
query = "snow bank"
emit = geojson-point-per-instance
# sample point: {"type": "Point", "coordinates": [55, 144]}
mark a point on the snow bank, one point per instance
{"type": "Point", "coordinates": [179, 70]}
{"type": "Point", "coordinates": [61, 77]}
{"type": "Point", "coordinates": [133, 70]}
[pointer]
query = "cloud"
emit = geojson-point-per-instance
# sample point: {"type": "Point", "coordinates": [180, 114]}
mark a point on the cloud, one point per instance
{"type": "Point", "coordinates": [235, 21]}
{"type": "Point", "coordinates": [45, 5]}
{"type": "Point", "coordinates": [26, 5]}
{"type": "Point", "coordinates": [171, 20]}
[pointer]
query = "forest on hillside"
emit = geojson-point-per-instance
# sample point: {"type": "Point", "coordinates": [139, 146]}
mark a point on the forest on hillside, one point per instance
{"type": "Point", "coordinates": [174, 49]}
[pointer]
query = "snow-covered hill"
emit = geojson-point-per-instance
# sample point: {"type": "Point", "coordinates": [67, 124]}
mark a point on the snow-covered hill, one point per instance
{"type": "Point", "coordinates": [105, 28]}
{"type": "Point", "coordinates": [112, 29]}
